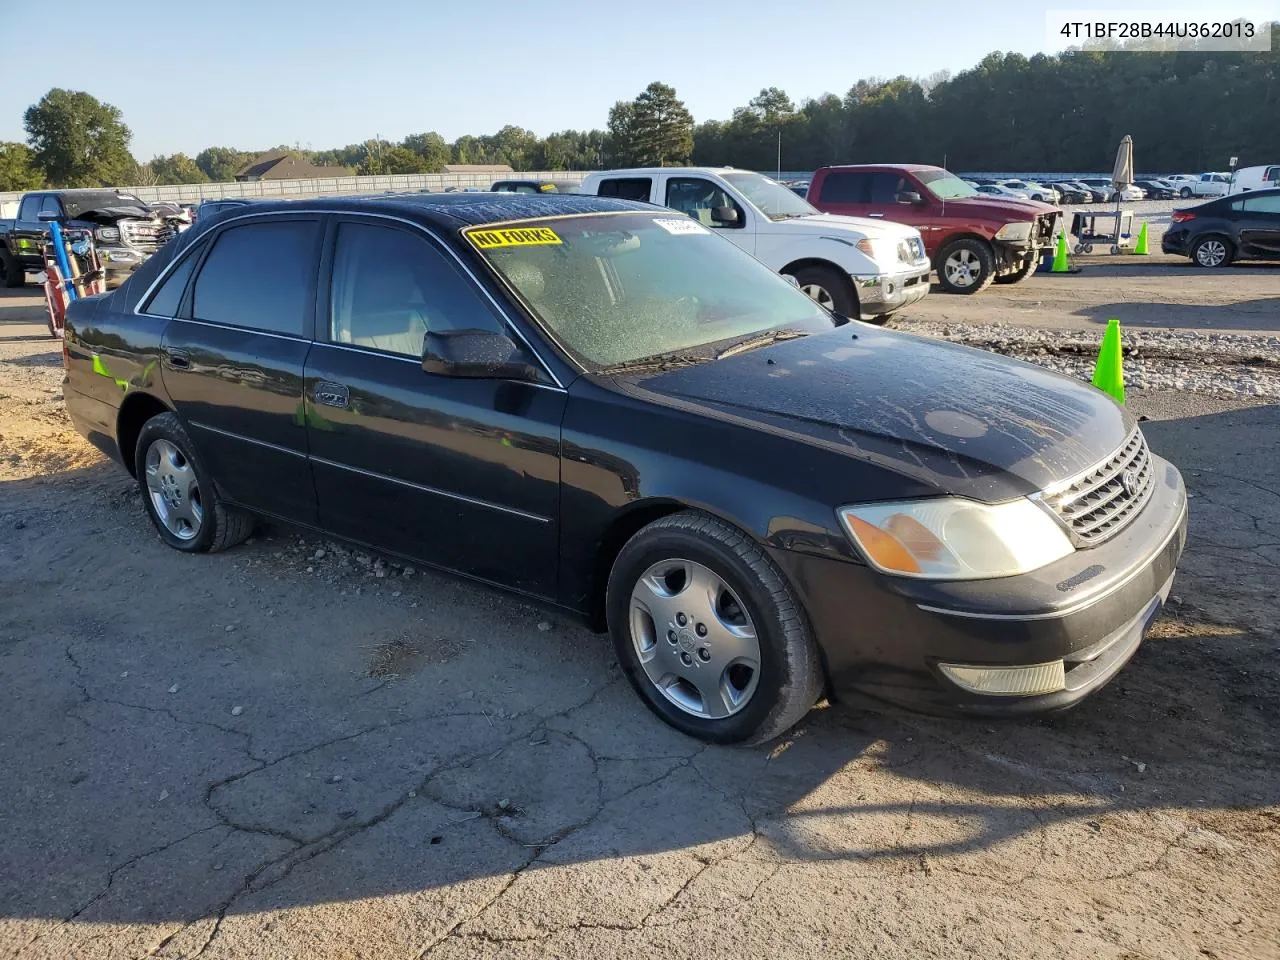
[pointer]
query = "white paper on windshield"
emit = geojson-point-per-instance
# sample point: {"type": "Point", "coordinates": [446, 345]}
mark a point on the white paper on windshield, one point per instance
{"type": "Point", "coordinates": [680, 226]}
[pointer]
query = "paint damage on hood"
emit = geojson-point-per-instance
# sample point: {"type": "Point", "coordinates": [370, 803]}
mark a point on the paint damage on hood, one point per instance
{"type": "Point", "coordinates": [964, 421]}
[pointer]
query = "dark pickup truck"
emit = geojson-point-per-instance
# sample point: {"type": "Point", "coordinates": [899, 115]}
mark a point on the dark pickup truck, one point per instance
{"type": "Point", "coordinates": [125, 230]}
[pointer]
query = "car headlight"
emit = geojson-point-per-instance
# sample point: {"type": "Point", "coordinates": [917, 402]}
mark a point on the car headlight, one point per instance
{"type": "Point", "coordinates": [107, 234]}
{"type": "Point", "coordinates": [879, 250]}
{"type": "Point", "coordinates": [950, 538]}
{"type": "Point", "coordinates": [1014, 231]}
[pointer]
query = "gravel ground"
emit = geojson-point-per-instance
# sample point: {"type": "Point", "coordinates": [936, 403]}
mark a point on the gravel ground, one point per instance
{"type": "Point", "coordinates": [293, 749]}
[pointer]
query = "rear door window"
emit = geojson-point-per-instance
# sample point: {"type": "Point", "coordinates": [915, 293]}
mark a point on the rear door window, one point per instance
{"type": "Point", "coordinates": [259, 275]}
{"type": "Point", "coordinates": [846, 187]}
{"type": "Point", "coordinates": [164, 302]}
{"type": "Point", "coordinates": [627, 188]}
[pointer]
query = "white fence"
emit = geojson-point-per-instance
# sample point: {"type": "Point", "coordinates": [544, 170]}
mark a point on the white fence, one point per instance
{"type": "Point", "coordinates": [328, 186]}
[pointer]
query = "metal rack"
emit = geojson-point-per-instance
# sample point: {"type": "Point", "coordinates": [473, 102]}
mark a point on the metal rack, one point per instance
{"type": "Point", "coordinates": [1115, 227]}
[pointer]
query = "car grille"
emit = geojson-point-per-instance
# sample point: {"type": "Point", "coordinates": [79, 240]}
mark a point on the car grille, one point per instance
{"type": "Point", "coordinates": [909, 251]}
{"type": "Point", "coordinates": [145, 235]}
{"type": "Point", "coordinates": [1100, 503]}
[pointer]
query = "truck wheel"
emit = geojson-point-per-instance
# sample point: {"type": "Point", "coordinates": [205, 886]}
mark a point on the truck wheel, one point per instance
{"type": "Point", "coordinates": [826, 287]}
{"type": "Point", "coordinates": [1185, 192]}
{"type": "Point", "coordinates": [11, 272]}
{"type": "Point", "coordinates": [1021, 273]}
{"type": "Point", "coordinates": [966, 266]}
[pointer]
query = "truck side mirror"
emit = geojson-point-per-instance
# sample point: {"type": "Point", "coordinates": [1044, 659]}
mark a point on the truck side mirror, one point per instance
{"type": "Point", "coordinates": [725, 215]}
{"type": "Point", "coordinates": [45, 216]}
{"type": "Point", "coordinates": [911, 197]}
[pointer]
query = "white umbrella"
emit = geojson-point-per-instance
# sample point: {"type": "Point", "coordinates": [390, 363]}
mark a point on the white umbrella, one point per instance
{"type": "Point", "coordinates": [1122, 172]}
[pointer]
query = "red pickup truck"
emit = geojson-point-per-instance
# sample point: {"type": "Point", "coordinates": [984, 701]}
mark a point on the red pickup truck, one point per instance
{"type": "Point", "coordinates": [971, 238]}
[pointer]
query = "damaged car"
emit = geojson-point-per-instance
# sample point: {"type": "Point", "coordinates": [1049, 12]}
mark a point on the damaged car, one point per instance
{"type": "Point", "coordinates": [126, 231]}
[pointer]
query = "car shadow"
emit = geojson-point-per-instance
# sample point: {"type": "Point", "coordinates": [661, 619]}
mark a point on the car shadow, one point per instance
{"type": "Point", "coordinates": [379, 749]}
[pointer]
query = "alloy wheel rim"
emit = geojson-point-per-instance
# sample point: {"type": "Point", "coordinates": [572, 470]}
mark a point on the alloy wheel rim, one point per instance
{"type": "Point", "coordinates": [1211, 253]}
{"type": "Point", "coordinates": [819, 294]}
{"type": "Point", "coordinates": [962, 268]}
{"type": "Point", "coordinates": [174, 492]}
{"type": "Point", "coordinates": [694, 639]}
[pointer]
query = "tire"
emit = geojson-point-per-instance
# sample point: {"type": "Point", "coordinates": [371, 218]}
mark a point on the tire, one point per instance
{"type": "Point", "coordinates": [194, 518]}
{"type": "Point", "coordinates": [677, 557]}
{"type": "Point", "coordinates": [968, 261]}
{"type": "Point", "coordinates": [1213, 250]}
{"type": "Point", "coordinates": [1184, 193]}
{"type": "Point", "coordinates": [829, 288]}
{"type": "Point", "coordinates": [1017, 276]}
{"type": "Point", "coordinates": [11, 272]}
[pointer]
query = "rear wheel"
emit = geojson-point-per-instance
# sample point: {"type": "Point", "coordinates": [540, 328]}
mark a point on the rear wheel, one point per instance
{"type": "Point", "coordinates": [828, 288]}
{"type": "Point", "coordinates": [179, 494]}
{"type": "Point", "coordinates": [1212, 252]}
{"type": "Point", "coordinates": [1021, 273]}
{"type": "Point", "coordinates": [709, 633]}
{"type": "Point", "coordinates": [11, 272]}
{"type": "Point", "coordinates": [966, 266]}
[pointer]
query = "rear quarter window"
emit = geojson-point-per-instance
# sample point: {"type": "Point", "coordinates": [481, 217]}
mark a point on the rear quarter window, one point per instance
{"type": "Point", "coordinates": [627, 188]}
{"type": "Point", "coordinates": [259, 275]}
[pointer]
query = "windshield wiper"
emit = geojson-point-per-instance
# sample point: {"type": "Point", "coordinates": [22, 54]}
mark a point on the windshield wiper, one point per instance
{"type": "Point", "coordinates": [658, 362]}
{"type": "Point", "coordinates": [773, 336]}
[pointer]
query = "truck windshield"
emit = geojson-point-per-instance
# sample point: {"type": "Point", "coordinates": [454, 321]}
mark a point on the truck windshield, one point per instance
{"type": "Point", "coordinates": [770, 197]}
{"type": "Point", "coordinates": [618, 288]}
{"type": "Point", "coordinates": [77, 204]}
{"type": "Point", "coordinates": [945, 185]}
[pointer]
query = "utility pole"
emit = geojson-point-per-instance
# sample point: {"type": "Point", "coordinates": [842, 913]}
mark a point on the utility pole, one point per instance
{"type": "Point", "coordinates": [779, 153]}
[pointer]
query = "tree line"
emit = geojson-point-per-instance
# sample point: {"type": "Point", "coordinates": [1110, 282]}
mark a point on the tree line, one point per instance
{"type": "Point", "coordinates": [1187, 111]}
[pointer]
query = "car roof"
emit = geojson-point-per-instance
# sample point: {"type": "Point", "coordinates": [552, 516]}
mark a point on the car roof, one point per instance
{"type": "Point", "coordinates": [627, 171]}
{"type": "Point", "coordinates": [882, 166]}
{"type": "Point", "coordinates": [451, 211]}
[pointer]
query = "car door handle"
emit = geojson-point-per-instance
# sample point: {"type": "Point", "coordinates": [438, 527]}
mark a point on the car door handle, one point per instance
{"type": "Point", "coordinates": [875, 214]}
{"type": "Point", "coordinates": [331, 395]}
{"type": "Point", "coordinates": [178, 359]}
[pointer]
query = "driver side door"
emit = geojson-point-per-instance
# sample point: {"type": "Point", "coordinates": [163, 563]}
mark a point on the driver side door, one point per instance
{"type": "Point", "coordinates": [459, 473]}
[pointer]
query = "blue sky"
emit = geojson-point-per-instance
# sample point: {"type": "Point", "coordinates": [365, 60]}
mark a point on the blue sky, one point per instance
{"type": "Point", "coordinates": [324, 73]}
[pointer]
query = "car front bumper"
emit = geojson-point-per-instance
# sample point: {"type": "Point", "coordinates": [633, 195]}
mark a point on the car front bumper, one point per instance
{"type": "Point", "coordinates": [883, 638]}
{"type": "Point", "coordinates": [881, 293]}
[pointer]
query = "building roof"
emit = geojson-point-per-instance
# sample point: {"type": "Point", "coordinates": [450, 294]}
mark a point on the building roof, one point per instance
{"type": "Point", "coordinates": [477, 168]}
{"type": "Point", "coordinates": [283, 165]}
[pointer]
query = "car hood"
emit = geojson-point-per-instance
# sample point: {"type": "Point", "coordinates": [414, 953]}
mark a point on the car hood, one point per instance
{"type": "Point", "coordinates": [826, 224]}
{"type": "Point", "coordinates": [996, 208]}
{"type": "Point", "coordinates": [963, 421]}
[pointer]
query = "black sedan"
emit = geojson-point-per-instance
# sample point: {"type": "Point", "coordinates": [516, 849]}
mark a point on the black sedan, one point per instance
{"type": "Point", "coordinates": [1245, 226]}
{"type": "Point", "coordinates": [605, 406]}
{"type": "Point", "coordinates": [1071, 193]}
{"type": "Point", "coordinates": [1156, 191]}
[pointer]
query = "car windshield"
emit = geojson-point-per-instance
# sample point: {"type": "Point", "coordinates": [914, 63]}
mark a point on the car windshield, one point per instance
{"type": "Point", "coordinates": [77, 204]}
{"type": "Point", "coordinates": [624, 287]}
{"type": "Point", "coordinates": [770, 197]}
{"type": "Point", "coordinates": [945, 185]}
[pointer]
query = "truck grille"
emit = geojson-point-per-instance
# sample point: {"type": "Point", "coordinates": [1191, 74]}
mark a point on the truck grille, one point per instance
{"type": "Point", "coordinates": [1046, 224]}
{"type": "Point", "coordinates": [1100, 503]}
{"type": "Point", "coordinates": [145, 235]}
{"type": "Point", "coordinates": [909, 251]}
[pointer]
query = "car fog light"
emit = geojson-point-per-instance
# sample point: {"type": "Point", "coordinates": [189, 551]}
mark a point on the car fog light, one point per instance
{"type": "Point", "coordinates": [1025, 681]}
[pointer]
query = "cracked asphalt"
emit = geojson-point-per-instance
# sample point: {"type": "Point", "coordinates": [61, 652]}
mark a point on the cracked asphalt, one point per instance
{"type": "Point", "coordinates": [296, 750]}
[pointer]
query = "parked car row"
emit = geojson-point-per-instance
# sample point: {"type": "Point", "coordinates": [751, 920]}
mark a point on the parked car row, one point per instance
{"type": "Point", "coordinates": [610, 407]}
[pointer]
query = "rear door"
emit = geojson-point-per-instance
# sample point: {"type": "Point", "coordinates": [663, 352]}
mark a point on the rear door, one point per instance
{"type": "Point", "coordinates": [461, 473]}
{"type": "Point", "coordinates": [845, 192]}
{"type": "Point", "coordinates": [1259, 224]}
{"type": "Point", "coordinates": [232, 360]}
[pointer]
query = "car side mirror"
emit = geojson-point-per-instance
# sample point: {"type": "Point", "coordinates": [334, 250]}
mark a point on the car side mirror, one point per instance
{"type": "Point", "coordinates": [44, 216]}
{"type": "Point", "coordinates": [911, 197]}
{"type": "Point", "coordinates": [791, 280]}
{"type": "Point", "coordinates": [475, 354]}
{"type": "Point", "coordinates": [725, 215]}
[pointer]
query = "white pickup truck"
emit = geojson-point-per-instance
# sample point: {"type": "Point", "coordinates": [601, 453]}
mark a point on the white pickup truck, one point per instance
{"type": "Point", "coordinates": [1208, 185]}
{"type": "Point", "coordinates": [852, 265]}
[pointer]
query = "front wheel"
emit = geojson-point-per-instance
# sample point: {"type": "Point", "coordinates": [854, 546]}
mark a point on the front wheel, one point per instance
{"type": "Point", "coordinates": [1185, 192]}
{"type": "Point", "coordinates": [709, 633]}
{"type": "Point", "coordinates": [966, 266]}
{"type": "Point", "coordinates": [179, 494]}
{"type": "Point", "coordinates": [1212, 252]}
{"type": "Point", "coordinates": [828, 288]}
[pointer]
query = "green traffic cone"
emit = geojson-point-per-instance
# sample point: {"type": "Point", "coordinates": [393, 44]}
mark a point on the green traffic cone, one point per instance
{"type": "Point", "coordinates": [1141, 248]}
{"type": "Point", "coordinates": [1108, 375]}
{"type": "Point", "coordinates": [1060, 256]}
